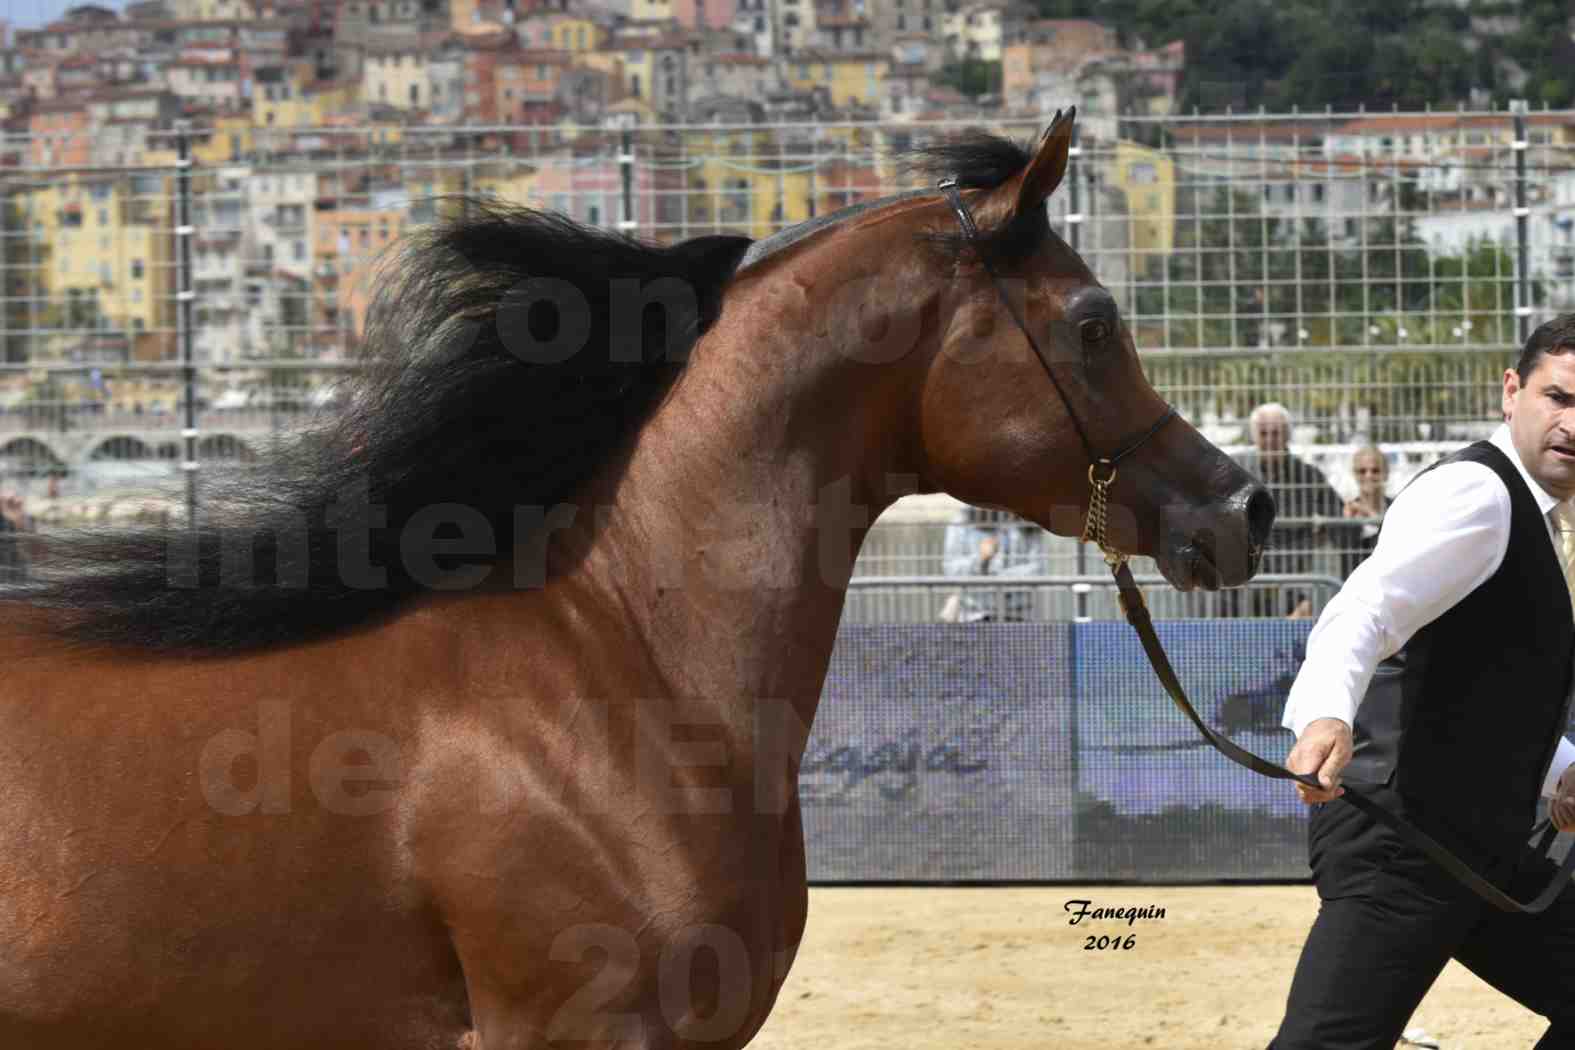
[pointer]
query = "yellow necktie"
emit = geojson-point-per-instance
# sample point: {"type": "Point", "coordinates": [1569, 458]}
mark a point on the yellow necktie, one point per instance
{"type": "Point", "coordinates": [1564, 522]}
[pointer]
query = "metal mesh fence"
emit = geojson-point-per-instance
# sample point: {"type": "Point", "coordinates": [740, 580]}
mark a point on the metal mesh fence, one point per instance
{"type": "Point", "coordinates": [1372, 273]}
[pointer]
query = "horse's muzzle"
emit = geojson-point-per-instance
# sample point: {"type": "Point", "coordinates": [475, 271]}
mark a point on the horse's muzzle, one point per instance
{"type": "Point", "coordinates": [1221, 545]}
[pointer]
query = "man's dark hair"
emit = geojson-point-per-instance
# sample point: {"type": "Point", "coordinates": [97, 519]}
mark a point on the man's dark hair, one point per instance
{"type": "Point", "coordinates": [1555, 337]}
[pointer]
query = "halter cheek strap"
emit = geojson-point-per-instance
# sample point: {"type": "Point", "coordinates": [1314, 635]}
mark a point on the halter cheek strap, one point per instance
{"type": "Point", "coordinates": [1101, 469]}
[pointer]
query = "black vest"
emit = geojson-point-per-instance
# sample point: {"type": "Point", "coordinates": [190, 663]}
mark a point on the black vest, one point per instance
{"type": "Point", "coordinates": [1463, 721]}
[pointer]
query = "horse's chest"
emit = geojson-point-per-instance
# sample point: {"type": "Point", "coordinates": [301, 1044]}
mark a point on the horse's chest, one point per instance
{"type": "Point", "coordinates": [666, 890]}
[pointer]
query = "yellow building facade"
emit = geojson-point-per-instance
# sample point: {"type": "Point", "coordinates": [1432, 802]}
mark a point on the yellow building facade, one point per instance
{"type": "Point", "coordinates": [560, 32]}
{"type": "Point", "coordinates": [301, 101]}
{"type": "Point", "coordinates": [1148, 179]}
{"type": "Point", "coordinates": [109, 260]}
{"type": "Point", "coordinates": [397, 76]}
{"type": "Point", "coordinates": [853, 80]}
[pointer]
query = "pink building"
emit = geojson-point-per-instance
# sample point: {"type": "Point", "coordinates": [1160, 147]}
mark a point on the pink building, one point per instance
{"type": "Point", "coordinates": [705, 14]}
{"type": "Point", "coordinates": [592, 192]}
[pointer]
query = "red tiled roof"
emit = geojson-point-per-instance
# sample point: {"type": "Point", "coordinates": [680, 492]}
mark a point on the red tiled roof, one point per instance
{"type": "Point", "coordinates": [1402, 122]}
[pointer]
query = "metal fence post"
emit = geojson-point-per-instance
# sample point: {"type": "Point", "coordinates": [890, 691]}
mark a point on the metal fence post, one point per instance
{"type": "Point", "coordinates": [1074, 222]}
{"type": "Point", "coordinates": [7, 354]}
{"type": "Point", "coordinates": [814, 162]}
{"type": "Point", "coordinates": [183, 310]}
{"type": "Point", "coordinates": [1517, 107]}
{"type": "Point", "coordinates": [626, 166]}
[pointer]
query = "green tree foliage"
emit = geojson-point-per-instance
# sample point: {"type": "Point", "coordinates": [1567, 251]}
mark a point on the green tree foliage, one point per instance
{"type": "Point", "coordinates": [1346, 53]}
{"type": "Point", "coordinates": [1239, 279]}
{"type": "Point", "coordinates": [971, 76]}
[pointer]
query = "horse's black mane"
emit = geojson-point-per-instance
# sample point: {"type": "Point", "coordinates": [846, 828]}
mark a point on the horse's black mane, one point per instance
{"type": "Point", "coordinates": [456, 406]}
{"type": "Point", "coordinates": [461, 404]}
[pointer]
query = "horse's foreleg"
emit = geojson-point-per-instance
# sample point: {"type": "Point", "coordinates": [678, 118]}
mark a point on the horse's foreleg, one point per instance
{"type": "Point", "coordinates": [599, 989]}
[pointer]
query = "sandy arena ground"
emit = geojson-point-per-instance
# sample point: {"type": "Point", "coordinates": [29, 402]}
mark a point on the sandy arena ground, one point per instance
{"type": "Point", "coordinates": [958, 969]}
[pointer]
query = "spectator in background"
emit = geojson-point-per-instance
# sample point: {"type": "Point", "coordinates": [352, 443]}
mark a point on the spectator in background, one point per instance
{"type": "Point", "coordinates": [1371, 470]}
{"type": "Point", "coordinates": [1303, 500]}
{"type": "Point", "coordinates": [991, 543]}
{"type": "Point", "coordinates": [14, 525]}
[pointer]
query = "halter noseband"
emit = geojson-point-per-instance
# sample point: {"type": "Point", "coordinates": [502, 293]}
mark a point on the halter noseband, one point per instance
{"type": "Point", "coordinates": [1101, 469]}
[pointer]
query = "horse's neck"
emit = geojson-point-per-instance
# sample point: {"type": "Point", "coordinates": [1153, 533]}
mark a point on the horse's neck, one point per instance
{"type": "Point", "coordinates": [736, 519]}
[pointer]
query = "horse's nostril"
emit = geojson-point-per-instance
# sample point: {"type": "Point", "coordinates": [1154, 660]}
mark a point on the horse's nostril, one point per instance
{"type": "Point", "coordinates": [1260, 516]}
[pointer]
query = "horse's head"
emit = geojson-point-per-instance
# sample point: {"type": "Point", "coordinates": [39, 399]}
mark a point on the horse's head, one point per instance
{"type": "Point", "coordinates": [1014, 409]}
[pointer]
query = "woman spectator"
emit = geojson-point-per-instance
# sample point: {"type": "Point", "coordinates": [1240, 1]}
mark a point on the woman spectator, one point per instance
{"type": "Point", "coordinates": [1371, 471]}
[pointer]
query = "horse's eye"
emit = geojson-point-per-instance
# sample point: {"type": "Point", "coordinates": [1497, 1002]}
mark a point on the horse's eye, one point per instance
{"type": "Point", "coordinates": [1094, 330]}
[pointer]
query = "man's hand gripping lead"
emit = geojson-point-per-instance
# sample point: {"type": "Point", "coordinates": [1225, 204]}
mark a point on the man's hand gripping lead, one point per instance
{"type": "Point", "coordinates": [1323, 749]}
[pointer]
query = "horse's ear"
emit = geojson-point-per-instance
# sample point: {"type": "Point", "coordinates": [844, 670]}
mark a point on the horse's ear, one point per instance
{"type": "Point", "coordinates": [1045, 171]}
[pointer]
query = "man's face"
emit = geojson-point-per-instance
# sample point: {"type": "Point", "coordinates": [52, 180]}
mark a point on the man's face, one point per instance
{"type": "Point", "coordinates": [1270, 434]}
{"type": "Point", "coordinates": [1541, 414]}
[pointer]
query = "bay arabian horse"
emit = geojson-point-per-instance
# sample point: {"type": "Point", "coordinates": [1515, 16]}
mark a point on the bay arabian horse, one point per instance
{"type": "Point", "coordinates": [473, 720]}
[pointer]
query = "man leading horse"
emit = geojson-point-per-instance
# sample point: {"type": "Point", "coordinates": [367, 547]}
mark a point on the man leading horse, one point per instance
{"type": "Point", "coordinates": [1441, 675]}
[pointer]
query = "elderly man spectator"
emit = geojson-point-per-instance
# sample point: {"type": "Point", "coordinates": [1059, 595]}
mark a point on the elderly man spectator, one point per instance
{"type": "Point", "coordinates": [1306, 507]}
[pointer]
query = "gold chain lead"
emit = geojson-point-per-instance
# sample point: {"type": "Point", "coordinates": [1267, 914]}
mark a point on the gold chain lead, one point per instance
{"type": "Point", "coordinates": [1098, 516]}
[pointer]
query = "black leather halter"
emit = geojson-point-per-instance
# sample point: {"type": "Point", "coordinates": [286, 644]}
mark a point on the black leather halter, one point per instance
{"type": "Point", "coordinates": [1101, 469]}
{"type": "Point", "coordinates": [1136, 612]}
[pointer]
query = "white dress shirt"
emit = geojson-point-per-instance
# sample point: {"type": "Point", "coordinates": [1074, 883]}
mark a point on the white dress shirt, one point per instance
{"type": "Point", "coordinates": [1439, 543]}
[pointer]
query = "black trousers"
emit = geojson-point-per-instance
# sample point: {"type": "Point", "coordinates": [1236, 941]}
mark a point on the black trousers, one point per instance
{"type": "Point", "coordinates": [1388, 921]}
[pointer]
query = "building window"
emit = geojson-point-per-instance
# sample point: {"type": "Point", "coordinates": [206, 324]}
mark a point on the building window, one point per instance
{"type": "Point", "coordinates": [136, 269]}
